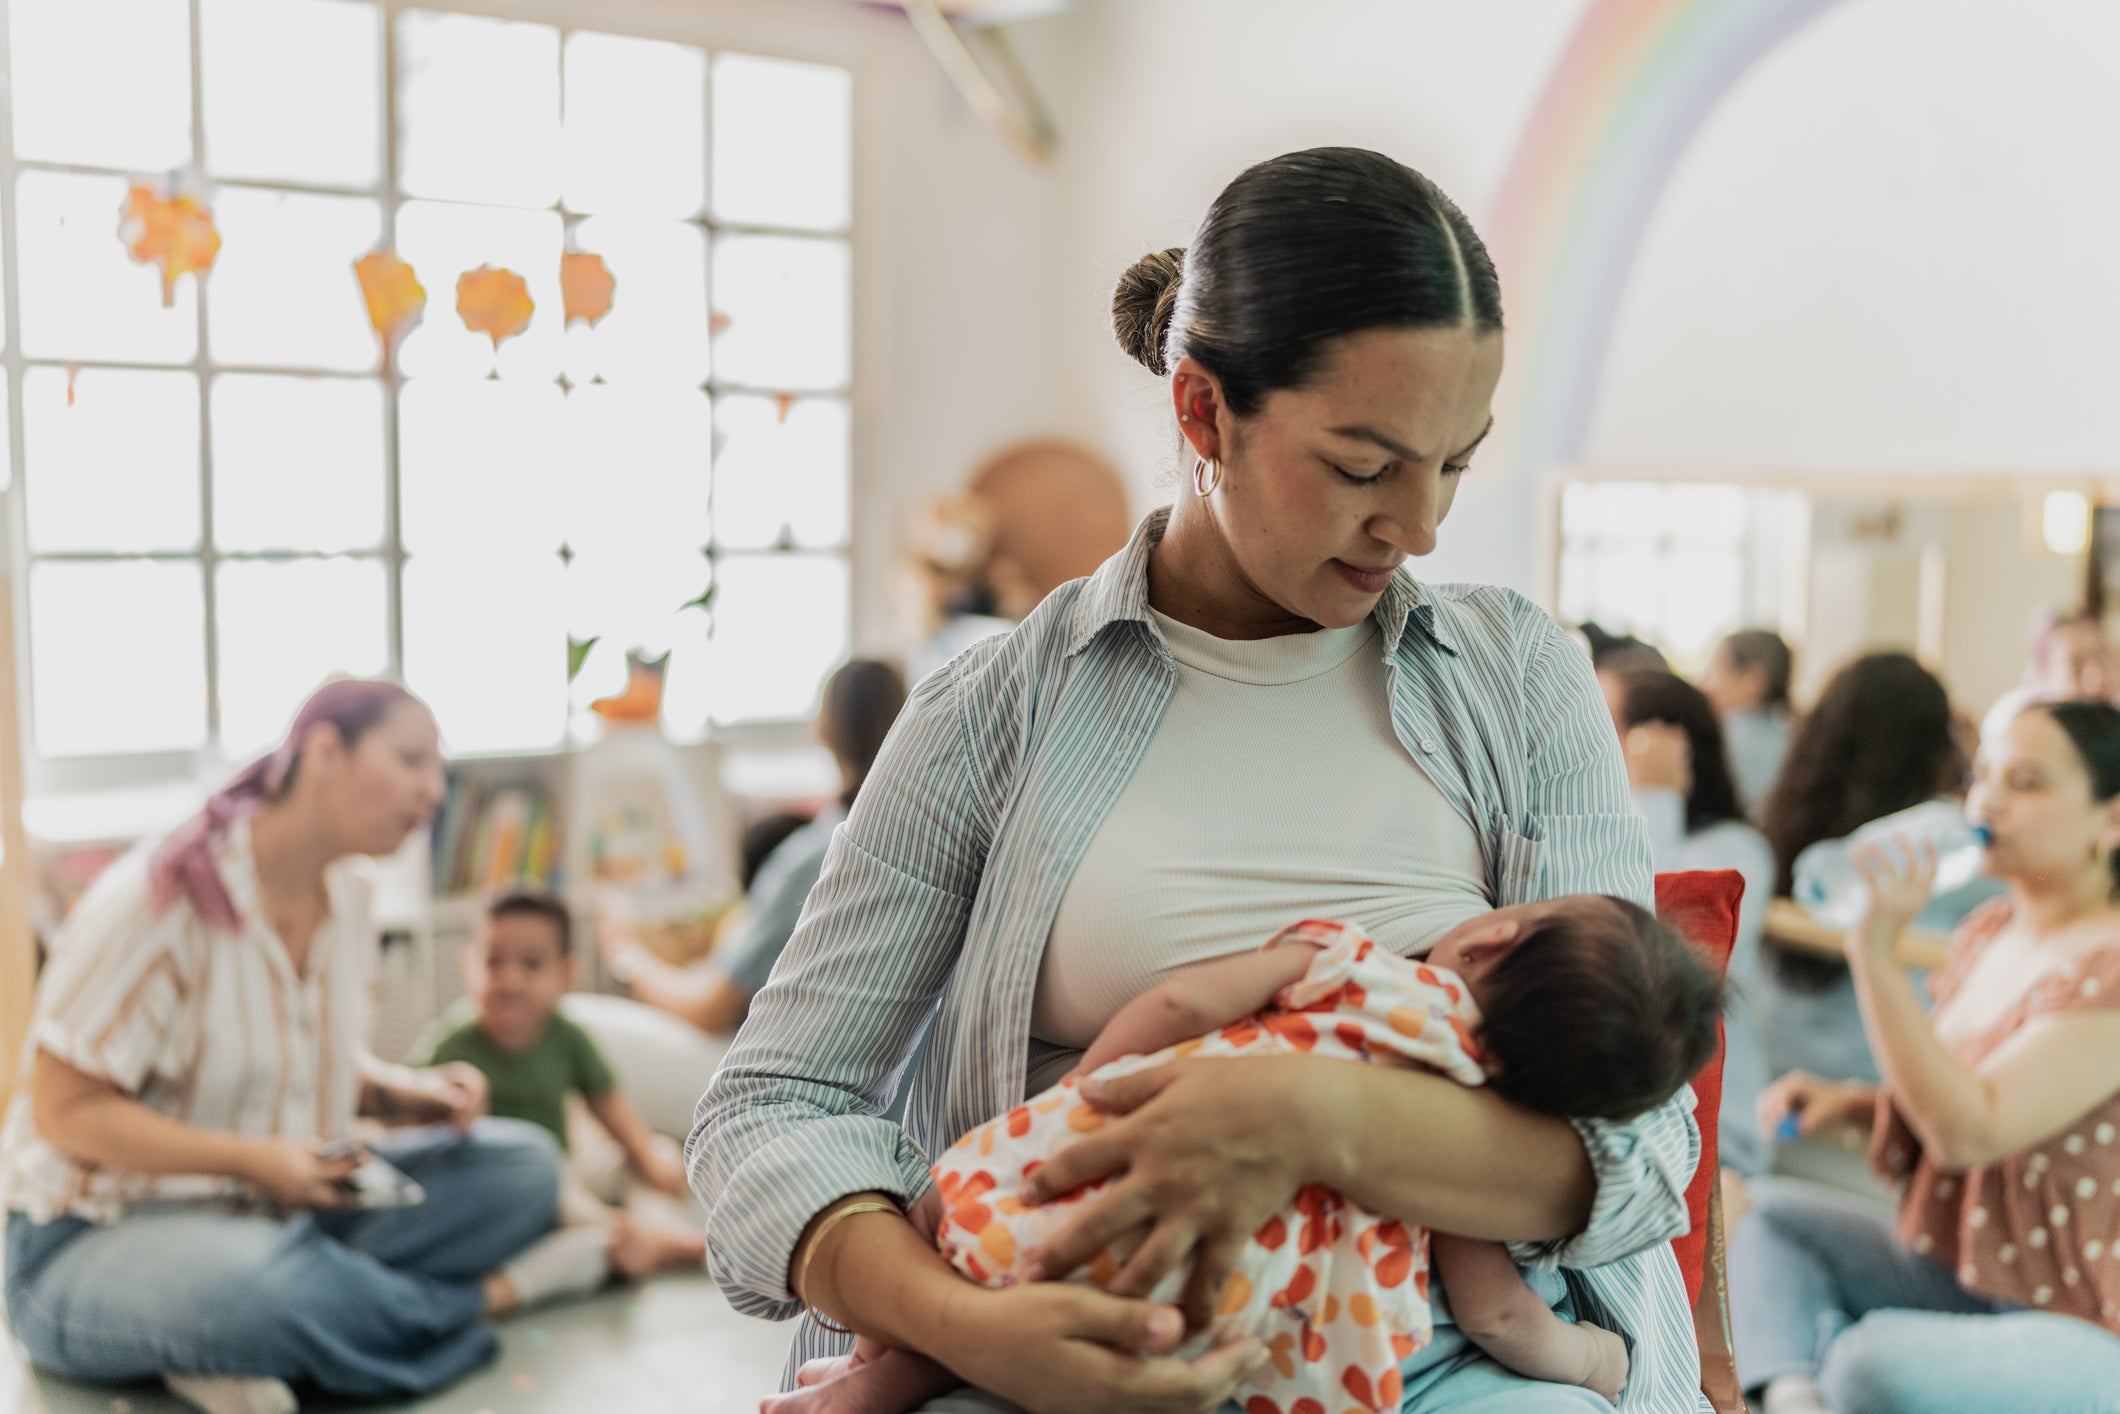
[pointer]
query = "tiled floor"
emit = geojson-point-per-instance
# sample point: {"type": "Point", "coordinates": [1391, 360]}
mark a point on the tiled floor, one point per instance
{"type": "Point", "coordinates": [672, 1344]}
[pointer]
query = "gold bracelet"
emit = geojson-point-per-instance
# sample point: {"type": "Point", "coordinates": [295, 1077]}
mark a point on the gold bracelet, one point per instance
{"type": "Point", "coordinates": [809, 1253]}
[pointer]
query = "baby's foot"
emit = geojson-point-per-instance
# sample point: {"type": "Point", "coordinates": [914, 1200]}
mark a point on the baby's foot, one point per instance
{"type": "Point", "coordinates": [1608, 1362]}
{"type": "Point", "coordinates": [893, 1382]}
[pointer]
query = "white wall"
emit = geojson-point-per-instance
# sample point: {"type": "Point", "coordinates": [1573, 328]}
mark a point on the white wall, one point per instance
{"type": "Point", "coordinates": [1892, 247]}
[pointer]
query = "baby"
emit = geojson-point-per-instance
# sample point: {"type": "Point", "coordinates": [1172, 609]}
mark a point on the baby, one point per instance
{"type": "Point", "coordinates": [1582, 1006]}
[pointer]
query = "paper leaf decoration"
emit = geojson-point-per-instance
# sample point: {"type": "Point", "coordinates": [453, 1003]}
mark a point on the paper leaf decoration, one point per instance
{"type": "Point", "coordinates": [642, 699]}
{"type": "Point", "coordinates": [393, 294]}
{"type": "Point", "coordinates": [705, 600]}
{"type": "Point", "coordinates": [586, 284]}
{"type": "Point", "coordinates": [578, 654]}
{"type": "Point", "coordinates": [175, 233]}
{"type": "Point", "coordinates": [493, 302]}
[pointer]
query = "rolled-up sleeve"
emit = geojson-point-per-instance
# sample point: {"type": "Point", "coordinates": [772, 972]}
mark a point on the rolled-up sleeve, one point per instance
{"type": "Point", "coordinates": [793, 1121]}
{"type": "Point", "coordinates": [1591, 841]}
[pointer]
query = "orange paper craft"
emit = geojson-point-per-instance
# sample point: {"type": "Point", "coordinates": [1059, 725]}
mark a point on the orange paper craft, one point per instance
{"type": "Point", "coordinates": [175, 233]}
{"type": "Point", "coordinates": [493, 302]}
{"type": "Point", "coordinates": [586, 283]}
{"type": "Point", "coordinates": [394, 296]}
{"type": "Point", "coordinates": [642, 699]}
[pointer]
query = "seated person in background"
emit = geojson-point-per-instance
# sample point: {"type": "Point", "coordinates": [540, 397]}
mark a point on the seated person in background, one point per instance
{"type": "Point", "coordinates": [2070, 659]}
{"type": "Point", "coordinates": [1997, 1291]}
{"type": "Point", "coordinates": [1681, 787]}
{"type": "Point", "coordinates": [861, 701]}
{"type": "Point", "coordinates": [1620, 652]}
{"type": "Point", "coordinates": [516, 970]}
{"type": "Point", "coordinates": [1747, 681]}
{"type": "Point", "coordinates": [762, 838]}
{"type": "Point", "coordinates": [1581, 1006]}
{"type": "Point", "coordinates": [1878, 741]}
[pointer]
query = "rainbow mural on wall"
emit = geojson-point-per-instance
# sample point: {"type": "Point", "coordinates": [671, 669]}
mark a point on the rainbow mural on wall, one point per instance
{"type": "Point", "coordinates": [1633, 86]}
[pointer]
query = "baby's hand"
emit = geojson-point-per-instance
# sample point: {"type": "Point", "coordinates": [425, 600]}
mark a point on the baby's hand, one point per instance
{"type": "Point", "coordinates": [1608, 1362]}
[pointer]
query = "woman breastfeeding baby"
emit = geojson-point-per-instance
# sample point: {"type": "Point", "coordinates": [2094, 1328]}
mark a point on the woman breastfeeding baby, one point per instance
{"type": "Point", "coordinates": [1253, 714]}
{"type": "Point", "coordinates": [1583, 1006]}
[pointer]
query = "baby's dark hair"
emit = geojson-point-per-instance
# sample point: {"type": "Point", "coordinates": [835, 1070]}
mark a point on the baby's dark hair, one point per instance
{"type": "Point", "coordinates": [1598, 1012]}
{"type": "Point", "coordinates": [534, 903]}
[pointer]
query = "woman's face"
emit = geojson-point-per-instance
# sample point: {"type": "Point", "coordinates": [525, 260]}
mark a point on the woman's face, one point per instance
{"type": "Point", "coordinates": [1327, 488]}
{"type": "Point", "coordinates": [388, 785]}
{"type": "Point", "coordinates": [2031, 789]}
{"type": "Point", "coordinates": [1730, 688]}
{"type": "Point", "coordinates": [2079, 663]}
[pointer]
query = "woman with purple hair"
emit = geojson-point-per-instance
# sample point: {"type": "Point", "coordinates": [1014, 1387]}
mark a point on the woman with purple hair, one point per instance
{"type": "Point", "coordinates": [177, 1171]}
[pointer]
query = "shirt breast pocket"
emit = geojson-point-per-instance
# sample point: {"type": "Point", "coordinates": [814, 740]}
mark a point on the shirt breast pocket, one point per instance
{"type": "Point", "coordinates": [1513, 855]}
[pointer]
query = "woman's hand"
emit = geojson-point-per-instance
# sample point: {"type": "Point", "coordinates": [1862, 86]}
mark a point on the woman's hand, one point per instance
{"type": "Point", "coordinates": [1063, 1348]}
{"type": "Point", "coordinates": [453, 1093]}
{"type": "Point", "coordinates": [1200, 1155]}
{"type": "Point", "coordinates": [1659, 757]}
{"type": "Point", "coordinates": [1814, 1104]}
{"type": "Point", "coordinates": [297, 1175]}
{"type": "Point", "coordinates": [1900, 881]}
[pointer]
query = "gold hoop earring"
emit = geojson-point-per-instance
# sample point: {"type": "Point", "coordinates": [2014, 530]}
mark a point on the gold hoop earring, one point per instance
{"type": "Point", "coordinates": [1212, 466]}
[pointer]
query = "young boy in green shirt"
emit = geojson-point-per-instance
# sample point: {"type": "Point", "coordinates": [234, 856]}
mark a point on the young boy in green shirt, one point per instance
{"type": "Point", "coordinates": [510, 1027]}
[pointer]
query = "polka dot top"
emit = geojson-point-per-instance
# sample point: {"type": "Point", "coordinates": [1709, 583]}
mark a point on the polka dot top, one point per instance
{"type": "Point", "coordinates": [2041, 1227]}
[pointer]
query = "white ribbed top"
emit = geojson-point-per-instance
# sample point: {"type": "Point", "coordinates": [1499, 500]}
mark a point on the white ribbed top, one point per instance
{"type": "Point", "coordinates": [1325, 815]}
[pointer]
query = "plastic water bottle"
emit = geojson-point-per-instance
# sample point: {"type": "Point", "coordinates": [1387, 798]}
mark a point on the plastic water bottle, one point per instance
{"type": "Point", "coordinates": [1832, 890]}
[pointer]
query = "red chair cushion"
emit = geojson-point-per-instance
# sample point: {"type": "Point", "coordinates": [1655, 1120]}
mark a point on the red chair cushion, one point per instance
{"type": "Point", "coordinates": [1701, 904]}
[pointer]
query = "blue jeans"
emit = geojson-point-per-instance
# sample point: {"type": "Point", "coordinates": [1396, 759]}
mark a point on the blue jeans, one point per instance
{"type": "Point", "coordinates": [366, 1305]}
{"type": "Point", "coordinates": [1820, 1285]}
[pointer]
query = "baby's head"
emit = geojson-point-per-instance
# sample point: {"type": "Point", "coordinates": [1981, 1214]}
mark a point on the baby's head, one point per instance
{"type": "Point", "coordinates": [519, 965]}
{"type": "Point", "coordinates": [1589, 1007]}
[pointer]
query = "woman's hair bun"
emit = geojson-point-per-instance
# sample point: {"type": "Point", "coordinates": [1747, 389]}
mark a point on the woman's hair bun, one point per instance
{"type": "Point", "coordinates": [1142, 306]}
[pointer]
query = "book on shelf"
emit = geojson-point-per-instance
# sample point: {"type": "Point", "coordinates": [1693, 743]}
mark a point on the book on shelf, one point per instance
{"type": "Point", "coordinates": [491, 838]}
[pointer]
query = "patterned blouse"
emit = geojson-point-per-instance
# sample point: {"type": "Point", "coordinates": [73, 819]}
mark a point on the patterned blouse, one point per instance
{"type": "Point", "coordinates": [2041, 1227]}
{"type": "Point", "coordinates": [216, 1030]}
{"type": "Point", "coordinates": [940, 890]}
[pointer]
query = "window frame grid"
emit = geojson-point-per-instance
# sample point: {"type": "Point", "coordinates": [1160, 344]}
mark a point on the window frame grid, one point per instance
{"type": "Point", "coordinates": [104, 770]}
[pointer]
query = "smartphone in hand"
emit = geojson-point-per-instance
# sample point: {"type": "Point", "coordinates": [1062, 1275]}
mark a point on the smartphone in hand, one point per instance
{"type": "Point", "coordinates": [377, 1183]}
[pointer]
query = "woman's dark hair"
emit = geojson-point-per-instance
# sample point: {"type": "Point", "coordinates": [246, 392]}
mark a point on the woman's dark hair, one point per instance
{"type": "Point", "coordinates": [2094, 729]}
{"type": "Point", "coordinates": [1299, 250]}
{"type": "Point", "coordinates": [1765, 650]}
{"type": "Point", "coordinates": [1665, 697]}
{"type": "Point", "coordinates": [1598, 1012]}
{"type": "Point", "coordinates": [762, 837]}
{"type": "Point", "coordinates": [1621, 652]}
{"type": "Point", "coordinates": [1878, 741]}
{"type": "Point", "coordinates": [861, 700]}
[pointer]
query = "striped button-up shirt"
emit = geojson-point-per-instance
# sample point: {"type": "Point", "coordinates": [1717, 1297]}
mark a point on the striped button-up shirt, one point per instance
{"type": "Point", "coordinates": [940, 889]}
{"type": "Point", "coordinates": [216, 1030]}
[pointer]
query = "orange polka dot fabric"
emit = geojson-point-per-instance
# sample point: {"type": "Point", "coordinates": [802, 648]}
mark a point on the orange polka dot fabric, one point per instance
{"type": "Point", "coordinates": [2041, 1227]}
{"type": "Point", "coordinates": [1337, 1295]}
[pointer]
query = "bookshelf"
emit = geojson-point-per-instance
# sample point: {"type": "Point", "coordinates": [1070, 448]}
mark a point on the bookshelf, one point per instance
{"type": "Point", "coordinates": [627, 810]}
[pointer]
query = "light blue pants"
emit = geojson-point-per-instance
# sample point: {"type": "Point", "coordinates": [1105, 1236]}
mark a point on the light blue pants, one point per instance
{"type": "Point", "coordinates": [1450, 1372]}
{"type": "Point", "coordinates": [365, 1305]}
{"type": "Point", "coordinates": [1820, 1285]}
